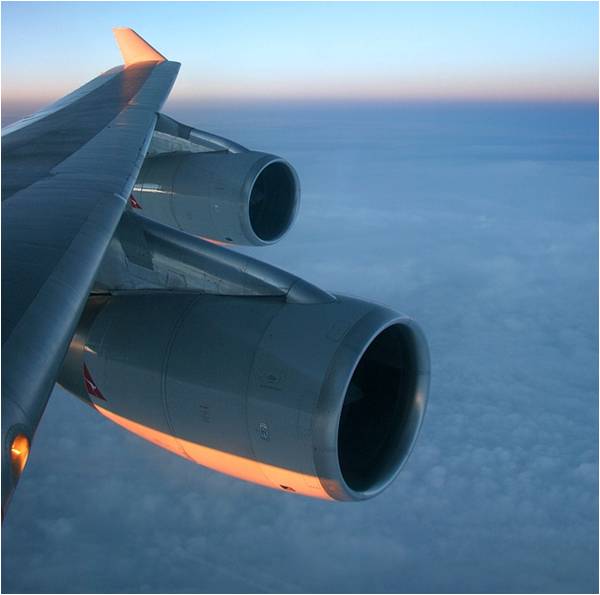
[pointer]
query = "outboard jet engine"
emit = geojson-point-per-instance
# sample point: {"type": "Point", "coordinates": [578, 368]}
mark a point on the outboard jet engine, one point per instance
{"type": "Point", "coordinates": [211, 187]}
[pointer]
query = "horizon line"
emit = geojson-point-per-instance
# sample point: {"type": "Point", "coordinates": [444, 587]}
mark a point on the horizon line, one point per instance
{"type": "Point", "coordinates": [325, 99]}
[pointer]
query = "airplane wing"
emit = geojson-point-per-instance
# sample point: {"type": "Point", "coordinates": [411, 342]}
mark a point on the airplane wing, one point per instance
{"type": "Point", "coordinates": [67, 174]}
{"type": "Point", "coordinates": [148, 317]}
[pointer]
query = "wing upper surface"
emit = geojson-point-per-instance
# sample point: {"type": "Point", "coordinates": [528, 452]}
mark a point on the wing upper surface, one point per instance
{"type": "Point", "coordinates": [66, 175]}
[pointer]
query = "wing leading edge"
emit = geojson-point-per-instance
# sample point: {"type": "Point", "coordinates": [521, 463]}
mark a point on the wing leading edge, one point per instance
{"type": "Point", "coordinates": [67, 173]}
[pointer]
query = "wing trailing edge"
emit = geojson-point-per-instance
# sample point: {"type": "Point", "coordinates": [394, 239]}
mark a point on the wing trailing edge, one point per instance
{"type": "Point", "coordinates": [135, 48]}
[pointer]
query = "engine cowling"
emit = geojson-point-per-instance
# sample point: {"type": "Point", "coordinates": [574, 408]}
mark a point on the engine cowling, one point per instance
{"type": "Point", "coordinates": [247, 197]}
{"type": "Point", "coordinates": [322, 399]}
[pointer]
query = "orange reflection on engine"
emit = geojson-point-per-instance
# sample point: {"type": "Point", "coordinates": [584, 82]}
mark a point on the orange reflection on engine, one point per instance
{"type": "Point", "coordinates": [19, 453]}
{"type": "Point", "coordinates": [225, 462]}
{"type": "Point", "coordinates": [215, 242]}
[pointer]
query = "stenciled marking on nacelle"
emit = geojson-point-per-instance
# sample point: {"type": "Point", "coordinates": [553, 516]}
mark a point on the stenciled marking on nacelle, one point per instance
{"type": "Point", "coordinates": [230, 464]}
{"type": "Point", "coordinates": [90, 385]}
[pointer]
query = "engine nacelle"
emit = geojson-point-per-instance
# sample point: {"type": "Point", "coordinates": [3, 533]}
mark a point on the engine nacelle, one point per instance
{"type": "Point", "coordinates": [321, 399]}
{"type": "Point", "coordinates": [241, 198]}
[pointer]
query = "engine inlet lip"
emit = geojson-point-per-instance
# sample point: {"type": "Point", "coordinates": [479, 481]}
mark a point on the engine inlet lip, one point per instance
{"type": "Point", "coordinates": [333, 393]}
{"type": "Point", "coordinates": [253, 175]}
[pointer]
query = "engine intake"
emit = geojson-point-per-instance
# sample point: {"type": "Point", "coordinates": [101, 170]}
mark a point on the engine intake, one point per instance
{"type": "Point", "coordinates": [376, 410]}
{"type": "Point", "coordinates": [273, 201]}
{"type": "Point", "coordinates": [322, 399]}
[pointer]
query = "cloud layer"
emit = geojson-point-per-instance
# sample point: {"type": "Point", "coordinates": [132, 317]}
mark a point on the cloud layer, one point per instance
{"type": "Point", "coordinates": [479, 221]}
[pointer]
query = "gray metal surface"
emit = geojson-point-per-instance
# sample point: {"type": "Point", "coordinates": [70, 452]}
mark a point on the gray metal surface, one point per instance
{"type": "Point", "coordinates": [252, 386]}
{"type": "Point", "coordinates": [212, 187]}
{"type": "Point", "coordinates": [66, 176]}
{"type": "Point", "coordinates": [145, 255]}
{"type": "Point", "coordinates": [170, 135]}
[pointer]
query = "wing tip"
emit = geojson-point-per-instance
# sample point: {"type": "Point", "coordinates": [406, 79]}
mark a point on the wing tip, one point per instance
{"type": "Point", "coordinates": [134, 48]}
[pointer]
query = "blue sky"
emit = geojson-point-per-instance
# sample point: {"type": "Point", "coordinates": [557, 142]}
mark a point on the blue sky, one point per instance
{"type": "Point", "coordinates": [500, 51]}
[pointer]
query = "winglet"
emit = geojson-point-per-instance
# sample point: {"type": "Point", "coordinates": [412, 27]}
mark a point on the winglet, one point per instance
{"type": "Point", "coordinates": [134, 48]}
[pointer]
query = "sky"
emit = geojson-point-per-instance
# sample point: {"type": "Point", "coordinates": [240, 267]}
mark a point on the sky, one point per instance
{"type": "Point", "coordinates": [439, 51]}
{"type": "Point", "coordinates": [480, 220]}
